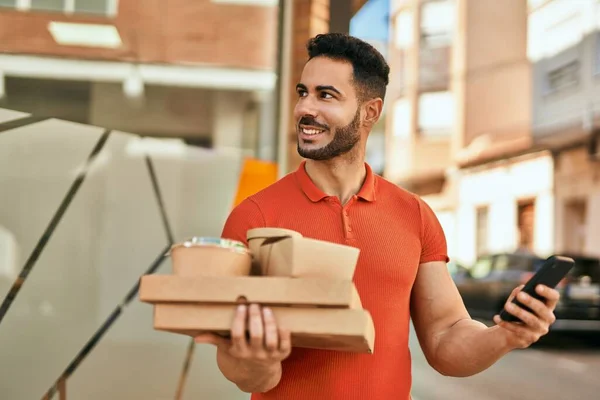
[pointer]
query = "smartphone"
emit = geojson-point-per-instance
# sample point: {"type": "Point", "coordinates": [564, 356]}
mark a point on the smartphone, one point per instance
{"type": "Point", "coordinates": [552, 271]}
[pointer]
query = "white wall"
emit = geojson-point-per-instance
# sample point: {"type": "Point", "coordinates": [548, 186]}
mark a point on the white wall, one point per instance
{"type": "Point", "coordinates": [578, 179]}
{"type": "Point", "coordinates": [592, 245]}
{"type": "Point", "coordinates": [500, 188]}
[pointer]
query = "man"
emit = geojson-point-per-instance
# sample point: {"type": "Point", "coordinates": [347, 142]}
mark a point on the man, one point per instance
{"type": "Point", "coordinates": [401, 272]}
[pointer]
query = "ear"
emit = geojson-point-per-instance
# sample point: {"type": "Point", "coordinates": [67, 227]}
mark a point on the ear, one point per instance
{"type": "Point", "coordinates": [372, 110]}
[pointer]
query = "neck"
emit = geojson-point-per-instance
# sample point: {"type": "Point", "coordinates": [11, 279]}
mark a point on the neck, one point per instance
{"type": "Point", "coordinates": [341, 177]}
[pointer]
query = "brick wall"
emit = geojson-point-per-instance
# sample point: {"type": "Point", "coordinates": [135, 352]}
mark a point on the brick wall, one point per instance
{"type": "Point", "coordinates": [174, 31]}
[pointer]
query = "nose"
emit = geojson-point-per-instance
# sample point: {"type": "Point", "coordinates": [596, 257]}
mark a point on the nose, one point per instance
{"type": "Point", "coordinates": [305, 107]}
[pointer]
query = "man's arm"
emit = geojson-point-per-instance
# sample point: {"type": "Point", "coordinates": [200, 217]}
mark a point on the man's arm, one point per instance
{"type": "Point", "coordinates": [456, 345]}
{"type": "Point", "coordinates": [453, 343]}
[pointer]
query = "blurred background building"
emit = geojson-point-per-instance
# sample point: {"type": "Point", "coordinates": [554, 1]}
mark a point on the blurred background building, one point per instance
{"type": "Point", "coordinates": [128, 125]}
{"type": "Point", "coordinates": [494, 108]}
{"type": "Point", "coordinates": [203, 71]}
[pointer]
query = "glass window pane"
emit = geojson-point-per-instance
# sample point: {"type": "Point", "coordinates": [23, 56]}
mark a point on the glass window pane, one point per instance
{"type": "Point", "coordinates": [436, 113]}
{"type": "Point", "coordinates": [482, 268]}
{"type": "Point", "coordinates": [10, 115]}
{"type": "Point", "coordinates": [91, 6]}
{"type": "Point", "coordinates": [37, 168]}
{"type": "Point", "coordinates": [48, 5]}
{"type": "Point", "coordinates": [437, 23]}
{"type": "Point", "coordinates": [133, 361]}
{"type": "Point", "coordinates": [184, 173]}
{"type": "Point", "coordinates": [8, 3]}
{"type": "Point", "coordinates": [109, 235]}
{"type": "Point", "coordinates": [141, 363]}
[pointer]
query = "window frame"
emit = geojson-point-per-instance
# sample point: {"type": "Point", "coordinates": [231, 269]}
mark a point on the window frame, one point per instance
{"type": "Point", "coordinates": [111, 11]}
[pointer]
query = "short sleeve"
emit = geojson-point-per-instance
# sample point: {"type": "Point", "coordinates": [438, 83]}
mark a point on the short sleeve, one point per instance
{"type": "Point", "coordinates": [433, 240]}
{"type": "Point", "coordinates": [245, 216]}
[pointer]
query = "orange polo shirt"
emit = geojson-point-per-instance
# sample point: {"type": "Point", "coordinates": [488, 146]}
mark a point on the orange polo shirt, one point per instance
{"type": "Point", "coordinates": [395, 232]}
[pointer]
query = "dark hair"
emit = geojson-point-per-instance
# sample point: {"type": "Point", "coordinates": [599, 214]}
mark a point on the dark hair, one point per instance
{"type": "Point", "coordinates": [371, 71]}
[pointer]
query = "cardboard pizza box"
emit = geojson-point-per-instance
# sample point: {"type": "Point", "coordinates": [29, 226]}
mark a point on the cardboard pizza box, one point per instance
{"type": "Point", "coordinates": [349, 330]}
{"type": "Point", "coordinates": [252, 289]}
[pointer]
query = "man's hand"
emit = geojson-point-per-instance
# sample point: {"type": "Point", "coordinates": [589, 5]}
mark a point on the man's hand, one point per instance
{"type": "Point", "coordinates": [253, 363]}
{"type": "Point", "coordinates": [535, 324]}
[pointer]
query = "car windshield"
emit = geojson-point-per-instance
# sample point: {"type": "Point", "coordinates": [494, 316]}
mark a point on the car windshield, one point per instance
{"type": "Point", "coordinates": [515, 262]}
{"type": "Point", "coordinates": [587, 266]}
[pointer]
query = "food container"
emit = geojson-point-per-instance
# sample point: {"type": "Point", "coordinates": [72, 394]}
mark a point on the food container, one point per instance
{"type": "Point", "coordinates": [206, 256]}
{"type": "Point", "coordinates": [301, 257]}
{"type": "Point", "coordinates": [257, 236]}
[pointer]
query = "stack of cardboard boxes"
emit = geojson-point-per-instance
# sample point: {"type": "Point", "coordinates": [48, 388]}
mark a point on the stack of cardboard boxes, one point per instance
{"type": "Point", "coordinates": [306, 282]}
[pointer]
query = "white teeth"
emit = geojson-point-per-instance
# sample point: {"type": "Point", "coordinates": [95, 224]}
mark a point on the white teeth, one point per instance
{"type": "Point", "coordinates": [311, 131]}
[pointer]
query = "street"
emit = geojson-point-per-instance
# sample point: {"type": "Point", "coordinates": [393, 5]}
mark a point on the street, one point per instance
{"type": "Point", "coordinates": [566, 367]}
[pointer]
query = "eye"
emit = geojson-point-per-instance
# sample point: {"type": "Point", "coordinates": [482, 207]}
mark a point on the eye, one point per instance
{"type": "Point", "coordinates": [326, 95]}
{"type": "Point", "coordinates": [301, 92]}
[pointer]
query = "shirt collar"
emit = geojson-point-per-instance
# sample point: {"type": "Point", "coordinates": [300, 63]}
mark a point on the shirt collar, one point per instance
{"type": "Point", "coordinates": [366, 192]}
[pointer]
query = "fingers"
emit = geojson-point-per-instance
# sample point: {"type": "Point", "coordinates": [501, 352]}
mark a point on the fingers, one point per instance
{"type": "Point", "coordinates": [238, 330]}
{"type": "Point", "coordinates": [271, 334]}
{"type": "Point", "coordinates": [256, 327]}
{"type": "Point", "coordinates": [266, 341]}
{"type": "Point", "coordinates": [285, 341]}
{"type": "Point", "coordinates": [540, 309]}
{"type": "Point", "coordinates": [514, 293]}
{"type": "Point", "coordinates": [552, 295]}
{"type": "Point", "coordinates": [525, 316]}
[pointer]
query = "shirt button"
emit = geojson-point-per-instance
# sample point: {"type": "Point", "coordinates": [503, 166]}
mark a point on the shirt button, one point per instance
{"type": "Point", "coordinates": [349, 229]}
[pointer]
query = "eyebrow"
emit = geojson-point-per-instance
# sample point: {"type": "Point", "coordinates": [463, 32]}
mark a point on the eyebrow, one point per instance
{"type": "Point", "coordinates": [319, 88]}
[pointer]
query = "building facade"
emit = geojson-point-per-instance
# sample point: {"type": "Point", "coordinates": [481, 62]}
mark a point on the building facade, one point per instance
{"type": "Point", "coordinates": [460, 93]}
{"type": "Point", "coordinates": [495, 121]}
{"type": "Point", "coordinates": [204, 71]}
{"type": "Point", "coordinates": [564, 49]}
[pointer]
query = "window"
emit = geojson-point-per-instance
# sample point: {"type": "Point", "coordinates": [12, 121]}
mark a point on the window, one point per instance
{"type": "Point", "coordinates": [526, 224]}
{"type": "Point", "coordinates": [516, 262]}
{"type": "Point", "coordinates": [562, 77]}
{"type": "Point", "coordinates": [402, 118]}
{"type": "Point", "coordinates": [436, 113]}
{"type": "Point", "coordinates": [403, 29]}
{"type": "Point", "coordinates": [95, 7]}
{"type": "Point", "coordinates": [482, 268]}
{"type": "Point", "coordinates": [437, 23]}
{"type": "Point", "coordinates": [481, 238]}
{"type": "Point", "coordinates": [574, 232]}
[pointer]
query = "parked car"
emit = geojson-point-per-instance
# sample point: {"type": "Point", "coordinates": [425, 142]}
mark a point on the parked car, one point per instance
{"type": "Point", "coordinates": [579, 308]}
{"type": "Point", "coordinates": [487, 284]}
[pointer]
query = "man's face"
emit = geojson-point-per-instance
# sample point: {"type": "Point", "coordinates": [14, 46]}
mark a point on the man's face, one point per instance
{"type": "Point", "coordinates": [327, 113]}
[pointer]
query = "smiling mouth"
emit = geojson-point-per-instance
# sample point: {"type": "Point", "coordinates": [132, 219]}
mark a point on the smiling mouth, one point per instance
{"type": "Point", "coordinates": [310, 131]}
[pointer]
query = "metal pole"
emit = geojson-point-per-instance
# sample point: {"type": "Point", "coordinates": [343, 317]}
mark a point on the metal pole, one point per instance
{"type": "Point", "coordinates": [284, 46]}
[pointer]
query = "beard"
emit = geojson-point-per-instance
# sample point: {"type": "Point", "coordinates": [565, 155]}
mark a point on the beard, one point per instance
{"type": "Point", "coordinates": [344, 140]}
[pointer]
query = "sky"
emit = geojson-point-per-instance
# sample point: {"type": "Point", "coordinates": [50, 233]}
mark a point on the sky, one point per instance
{"type": "Point", "coordinates": [371, 22]}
